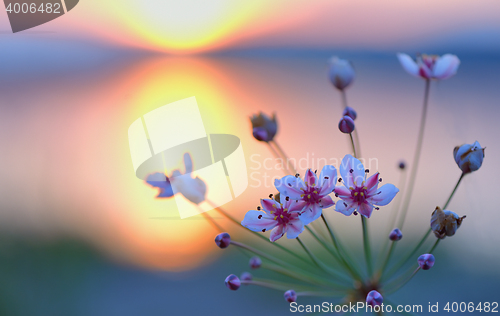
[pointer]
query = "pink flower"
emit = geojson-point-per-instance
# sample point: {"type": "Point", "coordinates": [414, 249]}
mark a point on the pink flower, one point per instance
{"type": "Point", "coordinates": [430, 66]}
{"type": "Point", "coordinates": [361, 194]}
{"type": "Point", "coordinates": [281, 218]}
{"type": "Point", "coordinates": [312, 193]}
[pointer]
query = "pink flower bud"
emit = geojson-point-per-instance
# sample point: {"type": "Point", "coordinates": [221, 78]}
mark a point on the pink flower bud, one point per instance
{"type": "Point", "coordinates": [346, 125]}
{"type": "Point", "coordinates": [255, 262]}
{"type": "Point", "coordinates": [374, 298]}
{"type": "Point", "coordinates": [246, 276]}
{"type": "Point", "coordinates": [223, 240]}
{"type": "Point", "coordinates": [290, 296]}
{"type": "Point", "coordinates": [350, 112]}
{"type": "Point", "coordinates": [402, 165]}
{"type": "Point", "coordinates": [426, 261]}
{"type": "Point", "coordinates": [232, 282]}
{"type": "Point", "coordinates": [396, 235]}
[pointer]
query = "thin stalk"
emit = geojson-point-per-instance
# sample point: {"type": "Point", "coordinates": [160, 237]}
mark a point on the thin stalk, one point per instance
{"type": "Point", "coordinates": [453, 192]}
{"type": "Point", "coordinates": [405, 280]}
{"type": "Point", "coordinates": [386, 261]}
{"type": "Point", "coordinates": [277, 156]}
{"type": "Point", "coordinates": [344, 103]}
{"type": "Point", "coordinates": [288, 163]}
{"type": "Point", "coordinates": [416, 158]}
{"type": "Point", "coordinates": [283, 264]}
{"type": "Point", "coordinates": [346, 260]}
{"type": "Point", "coordinates": [316, 261]}
{"type": "Point", "coordinates": [298, 276]}
{"type": "Point", "coordinates": [344, 98]}
{"type": "Point", "coordinates": [353, 146]}
{"type": "Point", "coordinates": [319, 293]}
{"type": "Point", "coordinates": [366, 246]}
{"type": "Point", "coordinates": [435, 245]}
{"type": "Point", "coordinates": [272, 284]}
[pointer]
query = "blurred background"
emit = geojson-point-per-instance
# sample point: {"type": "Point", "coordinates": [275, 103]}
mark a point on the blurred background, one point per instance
{"type": "Point", "coordinates": [81, 235]}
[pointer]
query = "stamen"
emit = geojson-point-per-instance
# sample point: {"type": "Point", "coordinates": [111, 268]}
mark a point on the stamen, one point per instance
{"type": "Point", "coordinates": [271, 196]}
{"type": "Point", "coordinates": [336, 195]}
{"type": "Point", "coordinates": [276, 217]}
{"type": "Point", "coordinates": [367, 170]}
{"type": "Point", "coordinates": [351, 188]}
{"type": "Point", "coordinates": [287, 198]}
{"type": "Point", "coordinates": [340, 179]}
{"type": "Point", "coordinates": [308, 196]}
{"type": "Point", "coordinates": [351, 171]}
{"type": "Point", "coordinates": [258, 208]}
{"type": "Point", "coordinates": [316, 171]}
{"type": "Point", "coordinates": [302, 195]}
{"type": "Point", "coordinates": [281, 215]}
{"type": "Point", "coordinates": [315, 192]}
{"type": "Point", "coordinates": [355, 213]}
{"type": "Point", "coordinates": [297, 175]}
{"type": "Point", "coordinates": [260, 216]}
{"type": "Point", "coordinates": [365, 188]}
{"type": "Point", "coordinates": [355, 193]}
{"type": "Point", "coordinates": [285, 210]}
{"type": "Point", "coordinates": [377, 208]}
{"type": "Point", "coordinates": [327, 178]}
{"type": "Point", "coordinates": [380, 180]}
{"type": "Point", "coordinates": [362, 194]}
{"type": "Point", "coordinates": [264, 230]}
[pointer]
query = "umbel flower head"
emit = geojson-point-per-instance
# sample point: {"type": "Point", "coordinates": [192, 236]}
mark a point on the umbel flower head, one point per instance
{"type": "Point", "coordinates": [312, 194]}
{"type": "Point", "coordinates": [469, 157]}
{"type": "Point", "coordinates": [341, 72]}
{"type": "Point", "coordinates": [430, 66]}
{"type": "Point", "coordinates": [359, 193]}
{"type": "Point", "coordinates": [264, 128]}
{"type": "Point", "coordinates": [281, 218]}
{"type": "Point", "coordinates": [194, 189]}
{"type": "Point", "coordinates": [445, 223]}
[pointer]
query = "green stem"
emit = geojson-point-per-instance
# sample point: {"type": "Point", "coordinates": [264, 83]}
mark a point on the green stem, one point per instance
{"type": "Point", "coordinates": [344, 98]}
{"type": "Point", "coordinates": [416, 158]}
{"type": "Point", "coordinates": [400, 285]}
{"type": "Point", "coordinates": [288, 163]}
{"type": "Point", "coordinates": [346, 260]}
{"type": "Point", "coordinates": [273, 284]}
{"type": "Point", "coordinates": [316, 261]}
{"type": "Point", "coordinates": [277, 156]}
{"type": "Point", "coordinates": [356, 137]}
{"type": "Point", "coordinates": [435, 245]}
{"type": "Point", "coordinates": [366, 246]}
{"type": "Point", "coordinates": [453, 192]}
{"type": "Point", "coordinates": [386, 261]}
{"type": "Point", "coordinates": [353, 146]}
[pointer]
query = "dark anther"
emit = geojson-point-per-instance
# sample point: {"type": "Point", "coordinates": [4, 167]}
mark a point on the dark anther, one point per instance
{"type": "Point", "coordinates": [316, 171]}
{"type": "Point", "coordinates": [258, 208]}
{"type": "Point", "coordinates": [355, 213]}
{"type": "Point", "coordinates": [271, 196]}
{"type": "Point", "coordinates": [290, 185]}
{"type": "Point", "coordinates": [264, 230]}
{"type": "Point", "coordinates": [336, 195]}
{"type": "Point", "coordinates": [260, 216]}
{"type": "Point", "coordinates": [380, 180]}
{"type": "Point", "coordinates": [340, 179]}
{"type": "Point", "coordinates": [287, 198]}
{"type": "Point", "coordinates": [367, 170]}
{"type": "Point", "coordinates": [327, 178]}
{"type": "Point", "coordinates": [377, 208]}
{"type": "Point", "coordinates": [297, 175]}
{"type": "Point", "coordinates": [345, 204]}
{"type": "Point", "coordinates": [351, 171]}
{"type": "Point", "coordinates": [319, 201]}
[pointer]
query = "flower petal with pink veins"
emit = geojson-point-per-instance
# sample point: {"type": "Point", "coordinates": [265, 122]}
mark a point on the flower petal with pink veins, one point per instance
{"type": "Point", "coordinates": [372, 182]}
{"type": "Point", "coordinates": [446, 66]}
{"type": "Point", "coordinates": [344, 208]}
{"type": "Point", "coordinates": [326, 202]}
{"type": "Point", "coordinates": [269, 205]}
{"type": "Point", "coordinates": [409, 64]}
{"type": "Point", "coordinates": [387, 193]}
{"type": "Point", "coordinates": [294, 228]}
{"type": "Point", "coordinates": [311, 213]}
{"type": "Point", "coordinates": [343, 192]}
{"type": "Point", "coordinates": [365, 209]}
{"type": "Point", "coordinates": [310, 178]}
{"type": "Point", "coordinates": [277, 233]}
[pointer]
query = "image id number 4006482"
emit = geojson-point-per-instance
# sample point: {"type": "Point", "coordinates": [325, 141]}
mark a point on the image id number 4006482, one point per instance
{"type": "Point", "coordinates": [34, 8]}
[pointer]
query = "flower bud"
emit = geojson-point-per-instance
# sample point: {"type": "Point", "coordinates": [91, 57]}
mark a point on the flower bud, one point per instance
{"type": "Point", "coordinates": [396, 235]}
{"type": "Point", "coordinates": [246, 276]}
{"type": "Point", "coordinates": [255, 262]}
{"type": "Point", "coordinates": [350, 112]}
{"type": "Point", "coordinates": [290, 296]}
{"type": "Point", "coordinates": [469, 157]}
{"type": "Point", "coordinates": [264, 128]}
{"type": "Point", "coordinates": [426, 261]}
{"type": "Point", "coordinates": [232, 282]}
{"type": "Point", "coordinates": [445, 223]}
{"type": "Point", "coordinates": [223, 240]}
{"type": "Point", "coordinates": [402, 165]}
{"type": "Point", "coordinates": [346, 125]}
{"type": "Point", "coordinates": [341, 73]}
{"type": "Point", "coordinates": [374, 298]}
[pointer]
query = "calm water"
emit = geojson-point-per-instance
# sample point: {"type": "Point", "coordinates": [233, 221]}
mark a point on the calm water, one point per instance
{"type": "Point", "coordinates": [66, 167]}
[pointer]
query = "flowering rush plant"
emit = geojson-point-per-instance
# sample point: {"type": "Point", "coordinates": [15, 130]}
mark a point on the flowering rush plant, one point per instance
{"type": "Point", "coordinates": [299, 204]}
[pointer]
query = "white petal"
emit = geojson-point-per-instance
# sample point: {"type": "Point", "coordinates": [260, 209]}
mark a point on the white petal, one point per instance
{"type": "Point", "coordinates": [327, 179]}
{"type": "Point", "coordinates": [257, 221]}
{"type": "Point", "coordinates": [344, 208]}
{"type": "Point", "coordinates": [311, 213]}
{"type": "Point", "coordinates": [358, 171]}
{"type": "Point", "coordinates": [384, 195]}
{"type": "Point", "coordinates": [446, 66]}
{"type": "Point", "coordinates": [290, 186]}
{"type": "Point", "coordinates": [409, 64]}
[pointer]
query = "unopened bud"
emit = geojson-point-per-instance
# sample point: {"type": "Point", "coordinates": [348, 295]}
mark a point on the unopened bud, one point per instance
{"type": "Point", "coordinates": [469, 157]}
{"type": "Point", "coordinates": [255, 262]}
{"type": "Point", "coordinates": [223, 240]}
{"type": "Point", "coordinates": [232, 282]}
{"type": "Point", "coordinates": [346, 125]}
{"type": "Point", "coordinates": [374, 298]}
{"type": "Point", "coordinates": [341, 73]}
{"type": "Point", "coordinates": [246, 276]}
{"type": "Point", "coordinates": [264, 128]}
{"type": "Point", "coordinates": [445, 223]}
{"type": "Point", "coordinates": [396, 235]}
{"type": "Point", "coordinates": [290, 296]}
{"type": "Point", "coordinates": [402, 165]}
{"type": "Point", "coordinates": [350, 112]}
{"type": "Point", "coordinates": [426, 261]}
